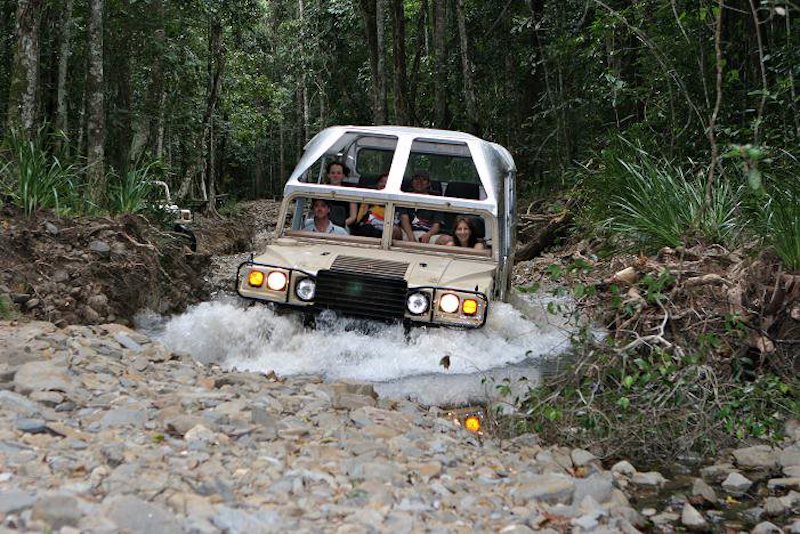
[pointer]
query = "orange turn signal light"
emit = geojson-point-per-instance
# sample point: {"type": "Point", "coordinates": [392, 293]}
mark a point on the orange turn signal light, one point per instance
{"type": "Point", "coordinates": [469, 307]}
{"type": "Point", "coordinates": [255, 278]}
{"type": "Point", "coordinates": [472, 423]}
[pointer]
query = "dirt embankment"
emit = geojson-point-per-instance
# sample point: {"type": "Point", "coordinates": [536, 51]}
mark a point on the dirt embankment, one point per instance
{"type": "Point", "coordinates": [94, 270]}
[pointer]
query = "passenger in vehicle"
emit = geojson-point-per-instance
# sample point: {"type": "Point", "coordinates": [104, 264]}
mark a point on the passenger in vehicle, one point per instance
{"type": "Point", "coordinates": [465, 234]}
{"type": "Point", "coordinates": [342, 212]}
{"type": "Point", "coordinates": [421, 225]}
{"type": "Point", "coordinates": [321, 222]}
{"type": "Point", "coordinates": [336, 172]}
{"type": "Point", "coordinates": [370, 218]}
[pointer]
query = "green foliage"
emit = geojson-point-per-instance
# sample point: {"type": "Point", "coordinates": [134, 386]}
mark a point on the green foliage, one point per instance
{"type": "Point", "coordinates": [657, 405]}
{"type": "Point", "coordinates": [6, 308]}
{"type": "Point", "coordinates": [133, 192]}
{"type": "Point", "coordinates": [783, 222]}
{"type": "Point", "coordinates": [37, 178]}
{"type": "Point", "coordinates": [657, 204]}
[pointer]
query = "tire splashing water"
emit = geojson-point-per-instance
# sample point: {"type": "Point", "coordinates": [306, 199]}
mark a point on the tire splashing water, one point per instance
{"type": "Point", "coordinates": [434, 366]}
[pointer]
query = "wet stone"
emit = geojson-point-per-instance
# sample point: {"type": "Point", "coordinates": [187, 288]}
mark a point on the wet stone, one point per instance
{"type": "Point", "coordinates": [736, 483]}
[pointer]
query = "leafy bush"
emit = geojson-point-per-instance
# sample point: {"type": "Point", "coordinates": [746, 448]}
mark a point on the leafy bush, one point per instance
{"type": "Point", "coordinates": [656, 405]}
{"type": "Point", "coordinates": [783, 225]}
{"type": "Point", "coordinates": [35, 178]}
{"type": "Point", "coordinates": [656, 203]}
{"type": "Point", "coordinates": [131, 193]}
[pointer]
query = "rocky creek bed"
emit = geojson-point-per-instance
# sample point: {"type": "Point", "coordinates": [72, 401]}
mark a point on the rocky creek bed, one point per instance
{"type": "Point", "coordinates": [104, 430]}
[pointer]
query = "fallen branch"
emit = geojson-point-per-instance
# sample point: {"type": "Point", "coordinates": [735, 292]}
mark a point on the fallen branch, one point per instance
{"type": "Point", "coordinates": [706, 279]}
{"type": "Point", "coordinates": [545, 237]}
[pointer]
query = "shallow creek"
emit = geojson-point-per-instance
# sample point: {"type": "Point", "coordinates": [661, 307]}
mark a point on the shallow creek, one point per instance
{"type": "Point", "coordinates": [511, 348]}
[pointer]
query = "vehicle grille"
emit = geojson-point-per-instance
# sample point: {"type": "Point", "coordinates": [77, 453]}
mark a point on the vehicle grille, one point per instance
{"type": "Point", "coordinates": [361, 295]}
{"type": "Point", "coordinates": [354, 264]}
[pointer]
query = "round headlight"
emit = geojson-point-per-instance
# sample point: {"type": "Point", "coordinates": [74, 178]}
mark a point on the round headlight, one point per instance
{"type": "Point", "coordinates": [276, 281]}
{"type": "Point", "coordinates": [255, 278]}
{"type": "Point", "coordinates": [417, 303]}
{"type": "Point", "coordinates": [305, 288]}
{"type": "Point", "coordinates": [449, 303]}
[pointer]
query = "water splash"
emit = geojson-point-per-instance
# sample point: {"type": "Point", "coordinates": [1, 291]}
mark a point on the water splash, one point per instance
{"type": "Point", "coordinates": [260, 339]}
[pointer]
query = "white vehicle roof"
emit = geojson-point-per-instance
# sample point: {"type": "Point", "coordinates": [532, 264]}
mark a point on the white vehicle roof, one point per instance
{"type": "Point", "coordinates": [493, 163]}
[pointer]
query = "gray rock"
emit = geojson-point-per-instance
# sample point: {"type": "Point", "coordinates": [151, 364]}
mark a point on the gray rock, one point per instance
{"type": "Point", "coordinates": [692, 519]}
{"type": "Point", "coordinates": [702, 489]}
{"type": "Point", "coordinates": [30, 426]}
{"type": "Point", "coordinates": [766, 528]}
{"type": "Point", "coordinates": [235, 520]}
{"type": "Point", "coordinates": [774, 507]}
{"type": "Point", "coordinates": [793, 471]}
{"type": "Point", "coordinates": [783, 483]}
{"type": "Point", "coordinates": [757, 457]}
{"type": "Point", "coordinates": [132, 514]}
{"type": "Point", "coordinates": [598, 486]}
{"type": "Point", "coordinates": [789, 457]}
{"type": "Point", "coordinates": [123, 417]}
{"type": "Point", "coordinates": [717, 473]}
{"type": "Point", "coordinates": [101, 248]}
{"type": "Point", "coordinates": [551, 488]}
{"type": "Point", "coordinates": [57, 511]}
{"type": "Point", "coordinates": [624, 468]}
{"type": "Point", "coordinates": [652, 479]}
{"type": "Point", "coordinates": [126, 341]}
{"type": "Point", "coordinates": [13, 501]}
{"type": "Point", "coordinates": [18, 404]}
{"type": "Point", "coordinates": [51, 228]}
{"type": "Point", "coordinates": [350, 395]}
{"type": "Point", "coordinates": [736, 483]}
{"type": "Point", "coordinates": [41, 376]}
{"type": "Point", "coordinates": [794, 528]}
{"type": "Point", "coordinates": [582, 457]}
{"type": "Point", "coordinates": [32, 303]}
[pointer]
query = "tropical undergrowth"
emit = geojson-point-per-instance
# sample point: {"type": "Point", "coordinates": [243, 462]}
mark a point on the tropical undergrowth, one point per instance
{"type": "Point", "coordinates": [41, 172]}
{"type": "Point", "coordinates": [684, 368]}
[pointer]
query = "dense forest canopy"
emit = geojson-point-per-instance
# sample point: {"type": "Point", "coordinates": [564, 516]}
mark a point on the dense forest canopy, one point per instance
{"type": "Point", "coordinates": [224, 94]}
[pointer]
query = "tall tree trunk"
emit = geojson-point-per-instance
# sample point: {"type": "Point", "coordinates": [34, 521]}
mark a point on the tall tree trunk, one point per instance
{"type": "Point", "coordinates": [303, 96]}
{"type": "Point", "coordinates": [466, 69]}
{"type": "Point", "coordinates": [22, 98]}
{"type": "Point", "coordinates": [422, 45]}
{"type": "Point", "coordinates": [62, 117]}
{"type": "Point", "coordinates": [440, 62]}
{"type": "Point", "coordinates": [372, 12]}
{"type": "Point", "coordinates": [380, 80]}
{"type": "Point", "coordinates": [156, 94]}
{"type": "Point", "coordinates": [216, 70]}
{"type": "Point", "coordinates": [399, 51]}
{"type": "Point", "coordinates": [120, 106]}
{"type": "Point", "coordinates": [96, 124]}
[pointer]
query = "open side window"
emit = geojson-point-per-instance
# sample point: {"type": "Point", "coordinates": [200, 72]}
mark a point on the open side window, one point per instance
{"type": "Point", "coordinates": [432, 228]}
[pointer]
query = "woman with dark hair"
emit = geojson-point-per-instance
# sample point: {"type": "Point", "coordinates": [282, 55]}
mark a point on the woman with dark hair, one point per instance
{"type": "Point", "coordinates": [465, 234]}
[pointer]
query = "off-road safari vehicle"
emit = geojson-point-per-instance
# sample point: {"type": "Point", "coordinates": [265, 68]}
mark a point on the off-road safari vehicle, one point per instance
{"type": "Point", "coordinates": [384, 277]}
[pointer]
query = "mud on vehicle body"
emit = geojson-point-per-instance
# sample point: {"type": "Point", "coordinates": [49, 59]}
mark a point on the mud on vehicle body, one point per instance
{"type": "Point", "coordinates": [384, 276]}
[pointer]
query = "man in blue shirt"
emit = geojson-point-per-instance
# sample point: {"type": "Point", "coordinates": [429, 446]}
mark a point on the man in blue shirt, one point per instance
{"type": "Point", "coordinates": [321, 223]}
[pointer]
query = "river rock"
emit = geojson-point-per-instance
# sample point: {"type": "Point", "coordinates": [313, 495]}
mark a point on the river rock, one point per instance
{"type": "Point", "coordinates": [41, 376]}
{"type": "Point", "coordinates": [701, 489]}
{"type": "Point", "coordinates": [624, 467]}
{"type": "Point", "coordinates": [132, 514]}
{"type": "Point", "coordinates": [784, 483]}
{"type": "Point", "coordinates": [692, 519]}
{"type": "Point", "coordinates": [766, 528]}
{"type": "Point", "coordinates": [14, 500]}
{"type": "Point", "coordinates": [351, 395]}
{"type": "Point", "coordinates": [789, 457]}
{"type": "Point", "coordinates": [57, 511]}
{"type": "Point", "coordinates": [101, 248]}
{"type": "Point", "coordinates": [774, 507]}
{"type": "Point", "coordinates": [736, 483]}
{"type": "Point", "coordinates": [717, 473]}
{"type": "Point", "coordinates": [551, 488]}
{"type": "Point", "coordinates": [582, 457]}
{"type": "Point", "coordinates": [652, 479]}
{"type": "Point", "coordinates": [756, 457]}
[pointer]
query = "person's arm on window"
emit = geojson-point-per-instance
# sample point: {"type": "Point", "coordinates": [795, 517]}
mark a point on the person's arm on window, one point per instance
{"type": "Point", "coordinates": [424, 238]}
{"type": "Point", "coordinates": [405, 224]}
{"type": "Point", "coordinates": [351, 219]}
